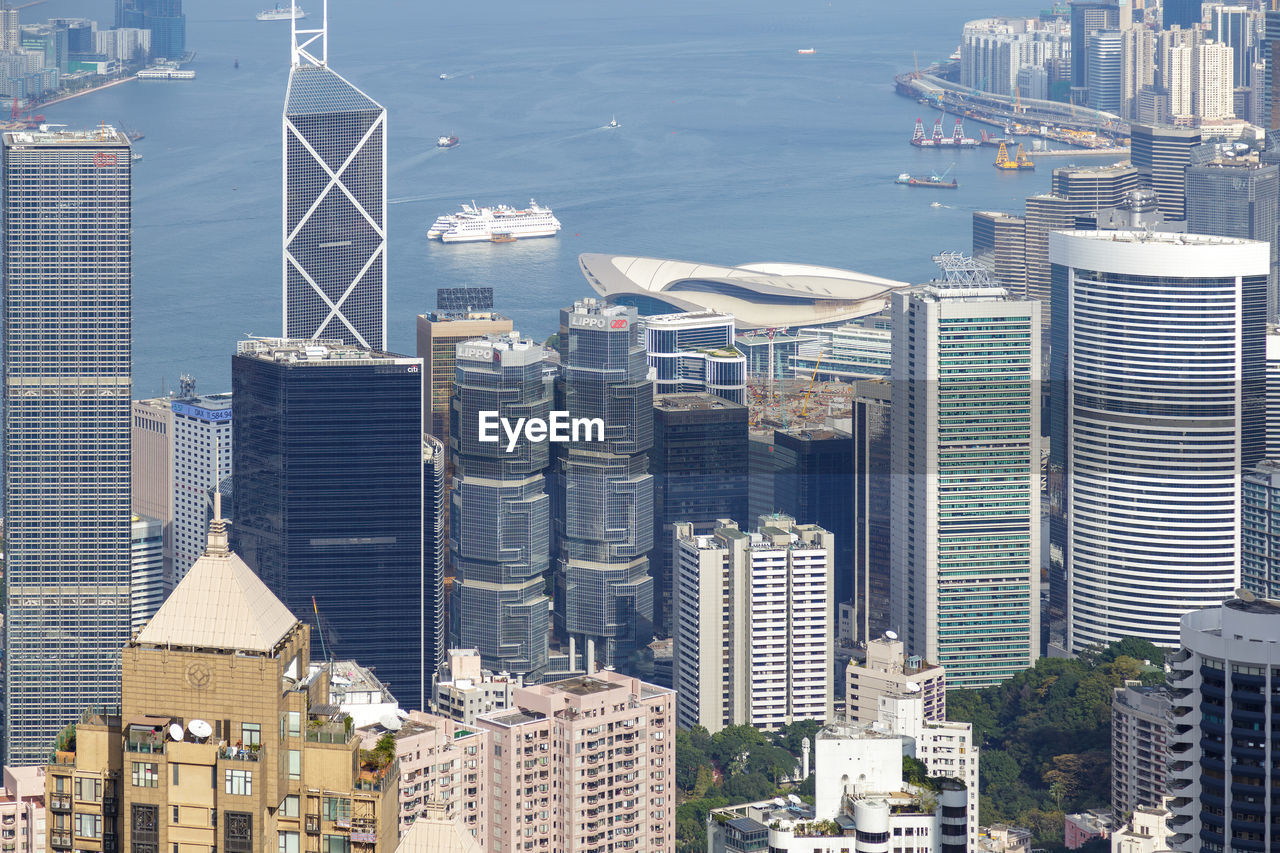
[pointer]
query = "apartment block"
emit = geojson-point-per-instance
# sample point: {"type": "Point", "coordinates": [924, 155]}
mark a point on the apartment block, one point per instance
{"type": "Point", "coordinates": [584, 764]}
{"type": "Point", "coordinates": [443, 764]}
{"type": "Point", "coordinates": [754, 624]}
{"type": "Point", "coordinates": [22, 812]}
{"type": "Point", "coordinates": [465, 690]}
{"type": "Point", "coordinates": [1141, 719]}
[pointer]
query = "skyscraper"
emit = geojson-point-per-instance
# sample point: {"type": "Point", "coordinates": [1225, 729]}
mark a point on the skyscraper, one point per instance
{"type": "Point", "coordinates": [147, 583]}
{"type": "Point", "coordinates": [500, 514]}
{"type": "Point", "coordinates": [67, 278]}
{"type": "Point", "coordinates": [1160, 357]}
{"type": "Point", "coordinates": [1087, 18]}
{"type": "Point", "coordinates": [1161, 156]}
{"type": "Point", "coordinates": [813, 479]}
{"type": "Point", "coordinates": [1180, 13]}
{"type": "Point", "coordinates": [1000, 243]}
{"type": "Point", "coordinates": [1233, 196]}
{"type": "Point", "coordinates": [872, 407]}
{"type": "Point", "coordinates": [162, 18]}
{"type": "Point", "coordinates": [1233, 26]}
{"type": "Point", "coordinates": [202, 456]}
{"type": "Point", "coordinates": [1226, 686]}
{"type": "Point", "coordinates": [700, 473]}
{"type": "Point", "coordinates": [438, 337]}
{"type": "Point", "coordinates": [1106, 71]}
{"type": "Point", "coordinates": [151, 468]}
{"type": "Point", "coordinates": [1215, 81]}
{"type": "Point", "coordinates": [335, 199]}
{"type": "Point", "coordinates": [965, 533]}
{"type": "Point", "coordinates": [327, 447]}
{"type": "Point", "coordinates": [603, 491]}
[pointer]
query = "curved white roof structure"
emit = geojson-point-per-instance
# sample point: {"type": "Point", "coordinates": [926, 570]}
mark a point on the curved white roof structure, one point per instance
{"type": "Point", "coordinates": [759, 296]}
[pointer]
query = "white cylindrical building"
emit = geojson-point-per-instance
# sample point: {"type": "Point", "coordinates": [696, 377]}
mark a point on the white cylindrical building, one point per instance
{"type": "Point", "coordinates": [1162, 337]}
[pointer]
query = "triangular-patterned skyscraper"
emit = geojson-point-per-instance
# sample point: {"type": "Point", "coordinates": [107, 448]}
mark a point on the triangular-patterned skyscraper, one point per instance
{"type": "Point", "coordinates": [335, 201]}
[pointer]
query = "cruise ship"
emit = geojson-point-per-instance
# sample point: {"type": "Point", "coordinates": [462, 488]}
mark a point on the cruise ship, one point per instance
{"type": "Point", "coordinates": [280, 13]}
{"type": "Point", "coordinates": [474, 224]}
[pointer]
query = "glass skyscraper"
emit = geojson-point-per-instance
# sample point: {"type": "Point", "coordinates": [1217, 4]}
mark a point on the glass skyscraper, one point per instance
{"type": "Point", "coordinates": [335, 199]}
{"type": "Point", "coordinates": [603, 489]}
{"type": "Point", "coordinates": [327, 454]}
{"type": "Point", "coordinates": [67, 277]}
{"type": "Point", "coordinates": [499, 512]}
{"type": "Point", "coordinates": [965, 491]}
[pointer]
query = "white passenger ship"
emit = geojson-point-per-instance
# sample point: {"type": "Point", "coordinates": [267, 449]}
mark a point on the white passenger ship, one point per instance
{"type": "Point", "coordinates": [474, 224]}
{"type": "Point", "coordinates": [280, 13]}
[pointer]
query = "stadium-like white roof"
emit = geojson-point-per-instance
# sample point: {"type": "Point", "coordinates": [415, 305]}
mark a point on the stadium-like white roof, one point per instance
{"type": "Point", "coordinates": [761, 295]}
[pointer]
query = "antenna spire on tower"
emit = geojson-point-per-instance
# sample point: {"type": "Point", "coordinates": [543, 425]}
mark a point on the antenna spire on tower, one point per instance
{"type": "Point", "coordinates": [219, 545]}
{"type": "Point", "coordinates": [302, 50]}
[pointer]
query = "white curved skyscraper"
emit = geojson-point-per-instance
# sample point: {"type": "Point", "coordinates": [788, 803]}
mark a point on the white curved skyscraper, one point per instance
{"type": "Point", "coordinates": [1164, 335]}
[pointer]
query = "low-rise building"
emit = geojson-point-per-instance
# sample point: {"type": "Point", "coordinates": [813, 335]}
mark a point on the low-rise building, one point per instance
{"type": "Point", "coordinates": [579, 762]}
{"type": "Point", "coordinates": [357, 692]}
{"type": "Point", "coordinates": [888, 671]}
{"type": "Point", "coordinates": [465, 690]}
{"type": "Point", "coordinates": [861, 803]}
{"type": "Point", "coordinates": [1002, 838]}
{"type": "Point", "coordinates": [223, 740]}
{"type": "Point", "coordinates": [22, 814]}
{"type": "Point", "coordinates": [1086, 826]}
{"type": "Point", "coordinates": [1146, 832]}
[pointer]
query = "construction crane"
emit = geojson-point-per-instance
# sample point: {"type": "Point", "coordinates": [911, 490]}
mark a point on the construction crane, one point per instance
{"type": "Point", "coordinates": [804, 408]}
{"type": "Point", "coordinates": [942, 177]}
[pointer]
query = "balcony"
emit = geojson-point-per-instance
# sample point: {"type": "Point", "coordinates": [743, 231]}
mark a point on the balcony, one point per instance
{"type": "Point", "coordinates": [109, 806]}
{"type": "Point", "coordinates": [313, 824]}
{"type": "Point", "coordinates": [237, 753]}
{"type": "Point", "coordinates": [60, 802]}
{"type": "Point", "coordinates": [333, 731]}
{"type": "Point", "coordinates": [60, 840]}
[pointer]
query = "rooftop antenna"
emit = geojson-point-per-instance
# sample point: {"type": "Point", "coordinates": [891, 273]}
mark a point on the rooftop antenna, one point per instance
{"type": "Point", "coordinates": [218, 545]}
{"type": "Point", "coordinates": [302, 51]}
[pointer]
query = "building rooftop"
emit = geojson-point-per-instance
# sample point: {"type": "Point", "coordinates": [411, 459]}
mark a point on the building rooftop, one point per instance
{"type": "Point", "coordinates": [1160, 237]}
{"type": "Point", "coordinates": [436, 832]}
{"type": "Point", "coordinates": [1249, 603]}
{"type": "Point", "coordinates": [316, 90]}
{"type": "Point", "coordinates": [220, 604]}
{"type": "Point", "coordinates": [692, 401]}
{"type": "Point", "coordinates": [583, 685]}
{"type": "Point", "coordinates": [308, 352]}
{"type": "Point", "coordinates": [103, 135]}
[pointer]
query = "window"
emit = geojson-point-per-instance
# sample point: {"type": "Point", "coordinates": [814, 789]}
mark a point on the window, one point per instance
{"type": "Point", "coordinates": [89, 825]}
{"type": "Point", "coordinates": [239, 782]}
{"type": "Point", "coordinates": [335, 844]}
{"type": "Point", "coordinates": [294, 720]}
{"type": "Point", "coordinates": [337, 808]}
{"type": "Point", "coordinates": [88, 790]}
{"type": "Point", "coordinates": [295, 764]}
{"type": "Point", "coordinates": [251, 734]}
{"type": "Point", "coordinates": [289, 806]}
{"type": "Point", "coordinates": [288, 842]}
{"type": "Point", "coordinates": [175, 777]}
{"type": "Point", "coordinates": [145, 774]}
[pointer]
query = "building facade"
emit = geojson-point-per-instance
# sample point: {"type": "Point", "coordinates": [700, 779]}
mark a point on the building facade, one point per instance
{"type": "Point", "coordinates": [438, 339]}
{"type": "Point", "coordinates": [813, 478]}
{"type": "Point", "coordinates": [151, 468]}
{"type": "Point", "coordinates": [700, 474]}
{"type": "Point", "coordinates": [872, 448]}
{"type": "Point", "coordinates": [443, 763]}
{"type": "Point", "coordinates": [1161, 156]}
{"type": "Point", "coordinates": [327, 494]}
{"type": "Point", "coordinates": [603, 492]}
{"type": "Point", "coordinates": [1153, 532]}
{"type": "Point", "coordinates": [22, 809]}
{"type": "Point", "coordinates": [1000, 242]}
{"type": "Point", "coordinates": [465, 689]}
{"type": "Point", "coordinates": [202, 457]}
{"type": "Point", "coordinates": [334, 232]}
{"type": "Point", "coordinates": [889, 671]}
{"type": "Point", "coordinates": [147, 584]}
{"type": "Point", "coordinates": [754, 625]}
{"type": "Point", "coordinates": [965, 533]}
{"type": "Point", "coordinates": [1260, 529]}
{"type": "Point", "coordinates": [435, 544]}
{"type": "Point", "coordinates": [67, 341]}
{"type": "Point", "coordinates": [695, 351]}
{"type": "Point", "coordinates": [585, 760]}
{"type": "Point", "coordinates": [500, 513]}
{"type": "Point", "coordinates": [1225, 678]}
{"type": "Point", "coordinates": [1141, 722]}
{"type": "Point", "coordinates": [221, 742]}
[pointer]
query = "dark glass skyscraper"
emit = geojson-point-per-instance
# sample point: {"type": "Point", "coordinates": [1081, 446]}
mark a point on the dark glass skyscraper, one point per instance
{"type": "Point", "coordinates": [813, 483]}
{"type": "Point", "coordinates": [603, 490]}
{"type": "Point", "coordinates": [499, 513]}
{"type": "Point", "coordinates": [328, 461]}
{"type": "Point", "coordinates": [700, 473]}
{"type": "Point", "coordinates": [164, 19]}
{"type": "Point", "coordinates": [335, 199]}
{"type": "Point", "coordinates": [67, 277]}
{"type": "Point", "coordinates": [1161, 156]}
{"type": "Point", "coordinates": [1180, 13]}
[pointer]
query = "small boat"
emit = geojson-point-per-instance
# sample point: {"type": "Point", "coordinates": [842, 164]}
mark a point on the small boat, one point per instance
{"type": "Point", "coordinates": [502, 237]}
{"type": "Point", "coordinates": [806, 51]}
{"type": "Point", "coordinates": [447, 142]}
{"type": "Point", "coordinates": [613, 122]}
{"type": "Point", "coordinates": [444, 76]}
{"type": "Point", "coordinates": [136, 156]}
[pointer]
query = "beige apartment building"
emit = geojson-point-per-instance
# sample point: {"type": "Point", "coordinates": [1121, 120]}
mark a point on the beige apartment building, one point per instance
{"type": "Point", "coordinates": [584, 765]}
{"type": "Point", "coordinates": [888, 671]}
{"type": "Point", "coordinates": [438, 339]}
{"type": "Point", "coordinates": [225, 742]}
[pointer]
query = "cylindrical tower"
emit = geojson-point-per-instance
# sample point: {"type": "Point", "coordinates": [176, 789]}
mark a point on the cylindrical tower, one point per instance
{"type": "Point", "coordinates": [1159, 370]}
{"type": "Point", "coordinates": [1223, 775]}
{"type": "Point", "coordinates": [872, 820]}
{"type": "Point", "coordinates": [953, 817]}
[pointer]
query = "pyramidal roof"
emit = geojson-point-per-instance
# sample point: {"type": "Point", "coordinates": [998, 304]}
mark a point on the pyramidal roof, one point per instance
{"type": "Point", "coordinates": [315, 89]}
{"type": "Point", "coordinates": [435, 832]}
{"type": "Point", "coordinates": [220, 604]}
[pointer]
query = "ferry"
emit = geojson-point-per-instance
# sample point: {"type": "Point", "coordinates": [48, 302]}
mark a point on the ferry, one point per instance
{"type": "Point", "coordinates": [447, 142]}
{"type": "Point", "coordinates": [282, 13]}
{"type": "Point", "coordinates": [806, 51]}
{"type": "Point", "coordinates": [166, 71]}
{"type": "Point", "coordinates": [474, 224]}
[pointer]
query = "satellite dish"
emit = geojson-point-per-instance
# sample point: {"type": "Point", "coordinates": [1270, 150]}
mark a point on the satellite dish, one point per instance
{"type": "Point", "coordinates": [176, 731]}
{"type": "Point", "coordinates": [200, 728]}
{"type": "Point", "coordinates": [390, 722]}
{"type": "Point", "coordinates": [891, 635]}
{"type": "Point", "coordinates": [912, 687]}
